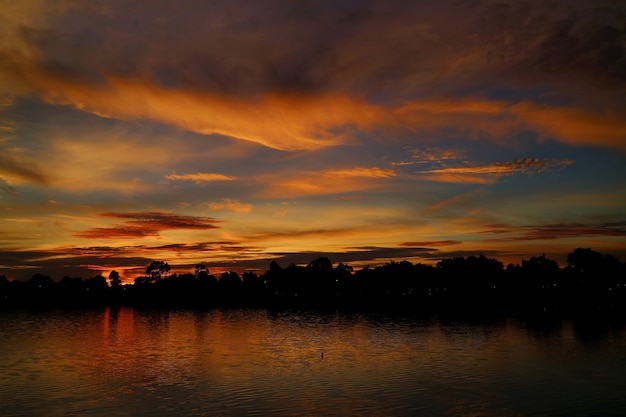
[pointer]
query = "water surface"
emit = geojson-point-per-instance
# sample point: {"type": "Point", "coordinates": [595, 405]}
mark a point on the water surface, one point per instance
{"type": "Point", "coordinates": [132, 362]}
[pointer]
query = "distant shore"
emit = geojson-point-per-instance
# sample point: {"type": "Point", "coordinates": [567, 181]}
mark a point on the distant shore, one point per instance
{"type": "Point", "coordinates": [591, 283]}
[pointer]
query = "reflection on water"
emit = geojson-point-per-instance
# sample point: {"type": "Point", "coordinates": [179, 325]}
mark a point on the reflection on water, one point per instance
{"type": "Point", "coordinates": [130, 362]}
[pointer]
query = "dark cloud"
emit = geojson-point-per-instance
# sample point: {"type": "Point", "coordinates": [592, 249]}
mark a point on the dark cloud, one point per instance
{"type": "Point", "coordinates": [587, 41]}
{"type": "Point", "coordinates": [117, 233]}
{"type": "Point", "coordinates": [11, 168]}
{"type": "Point", "coordinates": [555, 231]}
{"type": "Point", "coordinates": [163, 221]}
{"type": "Point", "coordinates": [7, 189]}
{"type": "Point", "coordinates": [23, 258]}
{"type": "Point", "coordinates": [113, 251]}
{"type": "Point", "coordinates": [362, 256]}
{"type": "Point", "coordinates": [465, 253]}
{"type": "Point", "coordinates": [242, 47]}
{"type": "Point", "coordinates": [142, 224]}
{"type": "Point", "coordinates": [328, 69]}
{"type": "Point", "coordinates": [300, 233]}
{"type": "Point", "coordinates": [356, 254]}
{"type": "Point", "coordinates": [260, 263]}
{"type": "Point", "coordinates": [22, 265]}
{"type": "Point", "coordinates": [431, 243]}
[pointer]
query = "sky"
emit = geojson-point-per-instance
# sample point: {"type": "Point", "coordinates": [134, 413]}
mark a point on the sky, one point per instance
{"type": "Point", "coordinates": [236, 133]}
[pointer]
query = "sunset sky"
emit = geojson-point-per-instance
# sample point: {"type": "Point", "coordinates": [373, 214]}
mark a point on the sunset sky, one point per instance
{"type": "Point", "coordinates": [235, 133]}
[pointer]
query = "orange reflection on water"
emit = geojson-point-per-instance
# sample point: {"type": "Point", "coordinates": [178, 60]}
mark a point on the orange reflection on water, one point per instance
{"type": "Point", "coordinates": [186, 362]}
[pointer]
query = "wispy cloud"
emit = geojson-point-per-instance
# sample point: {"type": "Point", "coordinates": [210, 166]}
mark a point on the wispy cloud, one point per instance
{"type": "Point", "coordinates": [230, 205]}
{"type": "Point", "coordinates": [554, 231]}
{"type": "Point", "coordinates": [431, 243]}
{"type": "Point", "coordinates": [15, 171]}
{"type": "Point", "coordinates": [200, 177]}
{"type": "Point", "coordinates": [305, 121]}
{"type": "Point", "coordinates": [330, 181]}
{"type": "Point", "coordinates": [358, 172]}
{"type": "Point", "coordinates": [432, 154]}
{"type": "Point", "coordinates": [496, 119]}
{"type": "Point", "coordinates": [143, 224]}
{"type": "Point", "coordinates": [141, 251]}
{"type": "Point", "coordinates": [486, 174]}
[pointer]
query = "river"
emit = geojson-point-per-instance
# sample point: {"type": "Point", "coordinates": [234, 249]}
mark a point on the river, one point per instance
{"type": "Point", "coordinates": [246, 362]}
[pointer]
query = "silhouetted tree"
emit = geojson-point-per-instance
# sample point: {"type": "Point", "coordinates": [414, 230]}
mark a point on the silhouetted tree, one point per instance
{"type": "Point", "coordinates": [114, 279]}
{"type": "Point", "coordinates": [40, 281]}
{"type": "Point", "coordinates": [585, 261]}
{"type": "Point", "coordinates": [541, 272]}
{"type": "Point", "coordinates": [96, 290]}
{"type": "Point", "coordinates": [142, 280]}
{"type": "Point", "coordinates": [201, 269]}
{"type": "Point", "coordinates": [595, 275]}
{"type": "Point", "coordinates": [318, 279]}
{"type": "Point", "coordinates": [343, 275]}
{"type": "Point", "coordinates": [230, 281]}
{"type": "Point", "coordinates": [475, 282]}
{"type": "Point", "coordinates": [591, 281]}
{"type": "Point", "coordinates": [250, 279]}
{"type": "Point", "coordinates": [157, 269]}
{"type": "Point", "coordinates": [97, 283]}
{"type": "Point", "coordinates": [206, 282]}
{"type": "Point", "coordinates": [540, 265]}
{"type": "Point", "coordinates": [5, 290]}
{"type": "Point", "coordinates": [321, 264]}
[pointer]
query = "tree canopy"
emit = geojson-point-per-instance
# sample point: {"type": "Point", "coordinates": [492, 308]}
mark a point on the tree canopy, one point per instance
{"type": "Point", "coordinates": [590, 279]}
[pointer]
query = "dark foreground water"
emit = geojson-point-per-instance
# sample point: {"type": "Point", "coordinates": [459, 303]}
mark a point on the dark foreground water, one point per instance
{"type": "Point", "coordinates": [131, 362]}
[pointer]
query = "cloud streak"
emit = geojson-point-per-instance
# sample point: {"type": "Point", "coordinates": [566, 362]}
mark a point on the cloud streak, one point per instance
{"type": "Point", "coordinates": [432, 243]}
{"type": "Point", "coordinates": [331, 181]}
{"type": "Point", "coordinates": [229, 205]}
{"type": "Point", "coordinates": [14, 172]}
{"type": "Point", "coordinates": [144, 224]}
{"type": "Point", "coordinates": [556, 231]}
{"type": "Point", "coordinates": [488, 174]}
{"type": "Point", "coordinates": [200, 177]}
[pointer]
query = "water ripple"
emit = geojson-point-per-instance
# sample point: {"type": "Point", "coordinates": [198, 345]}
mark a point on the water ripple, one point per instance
{"type": "Point", "coordinates": [251, 363]}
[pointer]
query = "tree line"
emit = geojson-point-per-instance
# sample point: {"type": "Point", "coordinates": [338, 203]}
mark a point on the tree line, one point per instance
{"type": "Point", "coordinates": [591, 281]}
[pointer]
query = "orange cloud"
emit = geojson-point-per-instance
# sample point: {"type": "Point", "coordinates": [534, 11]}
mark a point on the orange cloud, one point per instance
{"type": "Point", "coordinates": [327, 182]}
{"type": "Point", "coordinates": [575, 126]}
{"type": "Point", "coordinates": [15, 171]}
{"type": "Point", "coordinates": [280, 121]}
{"type": "Point", "coordinates": [571, 125]}
{"type": "Point", "coordinates": [230, 205]}
{"type": "Point", "coordinates": [487, 174]}
{"type": "Point", "coordinates": [200, 177]}
{"type": "Point", "coordinates": [431, 154]}
{"type": "Point", "coordinates": [361, 173]}
{"type": "Point", "coordinates": [297, 121]}
{"type": "Point", "coordinates": [454, 178]}
{"type": "Point", "coordinates": [276, 79]}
